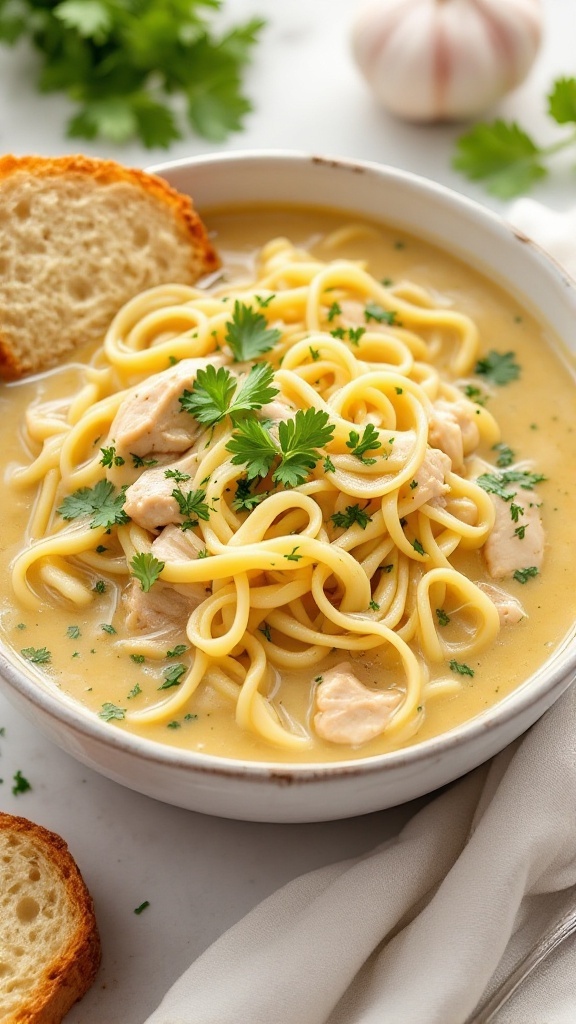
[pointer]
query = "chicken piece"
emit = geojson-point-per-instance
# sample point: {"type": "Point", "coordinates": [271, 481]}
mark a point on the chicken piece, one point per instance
{"type": "Point", "coordinates": [430, 479]}
{"type": "Point", "coordinates": [149, 501]}
{"type": "Point", "coordinates": [348, 712]}
{"type": "Point", "coordinates": [506, 549]}
{"type": "Point", "coordinates": [453, 429]}
{"type": "Point", "coordinates": [176, 545]}
{"type": "Point", "coordinates": [509, 608]}
{"type": "Point", "coordinates": [157, 610]}
{"type": "Point", "coordinates": [151, 419]}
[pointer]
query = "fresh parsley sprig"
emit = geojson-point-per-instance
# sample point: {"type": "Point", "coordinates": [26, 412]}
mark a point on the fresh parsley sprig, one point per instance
{"type": "Point", "coordinates": [499, 367]}
{"type": "Point", "coordinates": [499, 483]}
{"type": "Point", "coordinates": [299, 439]}
{"type": "Point", "coordinates": [368, 442]}
{"type": "Point", "coordinates": [102, 502]}
{"type": "Point", "coordinates": [505, 157]}
{"type": "Point", "coordinates": [352, 514]}
{"type": "Point", "coordinates": [248, 335]}
{"type": "Point", "coordinates": [146, 568]}
{"type": "Point", "coordinates": [192, 507]}
{"type": "Point", "coordinates": [131, 67]}
{"type": "Point", "coordinates": [216, 393]}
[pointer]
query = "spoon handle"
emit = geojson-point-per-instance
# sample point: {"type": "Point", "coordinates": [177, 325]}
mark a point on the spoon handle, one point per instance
{"type": "Point", "coordinates": [560, 930]}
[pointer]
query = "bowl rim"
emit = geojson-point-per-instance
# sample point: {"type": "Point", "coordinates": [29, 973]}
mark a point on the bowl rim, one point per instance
{"type": "Point", "coordinates": [544, 685]}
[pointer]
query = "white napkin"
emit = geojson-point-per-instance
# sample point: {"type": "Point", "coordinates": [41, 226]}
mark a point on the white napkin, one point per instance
{"type": "Point", "coordinates": [416, 931]}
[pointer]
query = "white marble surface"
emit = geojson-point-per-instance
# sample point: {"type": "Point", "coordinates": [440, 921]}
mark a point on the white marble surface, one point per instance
{"type": "Point", "coordinates": [201, 874]}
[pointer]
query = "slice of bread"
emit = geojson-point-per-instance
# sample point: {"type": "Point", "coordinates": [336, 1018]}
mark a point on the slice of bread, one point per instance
{"type": "Point", "coordinates": [49, 944]}
{"type": "Point", "coordinates": [78, 238]}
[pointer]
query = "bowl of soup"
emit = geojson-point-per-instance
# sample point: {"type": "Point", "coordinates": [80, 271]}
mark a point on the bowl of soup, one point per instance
{"type": "Point", "coordinates": [295, 544]}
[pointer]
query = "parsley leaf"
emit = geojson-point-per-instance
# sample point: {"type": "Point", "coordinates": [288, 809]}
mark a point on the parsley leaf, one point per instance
{"type": "Point", "coordinates": [129, 66]}
{"type": "Point", "coordinates": [523, 575]}
{"type": "Point", "coordinates": [372, 311]}
{"type": "Point", "coordinates": [498, 483]}
{"type": "Point", "coordinates": [21, 784]}
{"type": "Point", "coordinates": [172, 676]}
{"type": "Point", "coordinates": [146, 568]}
{"type": "Point", "coordinates": [102, 502]}
{"type": "Point", "coordinates": [248, 334]}
{"type": "Point", "coordinates": [503, 155]}
{"type": "Point", "coordinates": [111, 711]}
{"type": "Point", "coordinates": [299, 439]}
{"type": "Point", "coordinates": [562, 101]}
{"type": "Point", "coordinates": [461, 668]}
{"type": "Point", "coordinates": [211, 397]}
{"type": "Point", "coordinates": [37, 655]}
{"type": "Point", "coordinates": [499, 367]}
{"type": "Point", "coordinates": [368, 442]}
{"type": "Point", "coordinates": [109, 457]}
{"type": "Point", "coordinates": [192, 507]}
{"type": "Point", "coordinates": [505, 455]}
{"type": "Point", "coordinates": [245, 500]}
{"type": "Point", "coordinates": [443, 618]}
{"type": "Point", "coordinates": [352, 514]}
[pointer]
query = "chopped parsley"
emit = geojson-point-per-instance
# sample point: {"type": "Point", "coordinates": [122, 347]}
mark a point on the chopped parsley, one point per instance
{"type": "Point", "coordinates": [146, 568]}
{"type": "Point", "coordinates": [334, 311]}
{"type": "Point", "coordinates": [102, 502]}
{"type": "Point", "coordinates": [21, 784]}
{"type": "Point", "coordinates": [73, 632]}
{"type": "Point", "coordinates": [265, 629]}
{"type": "Point", "coordinates": [374, 606]}
{"type": "Point", "coordinates": [177, 475]}
{"type": "Point", "coordinates": [499, 367]}
{"type": "Point", "coordinates": [177, 651]}
{"type": "Point", "coordinates": [523, 575]}
{"type": "Point", "coordinates": [172, 676]}
{"type": "Point", "coordinates": [372, 311]}
{"type": "Point", "coordinates": [108, 628]}
{"type": "Point", "coordinates": [299, 439]}
{"type": "Point", "coordinates": [109, 457]}
{"type": "Point", "coordinates": [461, 668]}
{"type": "Point", "coordinates": [138, 462]}
{"type": "Point", "coordinates": [499, 483]}
{"type": "Point", "coordinates": [418, 547]}
{"type": "Point", "coordinates": [111, 711]}
{"type": "Point", "coordinates": [443, 618]}
{"type": "Point", "coordinates": [192, 507]}
{"type": "Point", "coordinates": [99, 587]}
{"type": "Point", "coordinates": [136, 689]}
{"type": "Point", "coordinates": [360, 445]}
{"type": "Point", "coordinates": [245, 500]}
{"type": "Point", "coordinates": [248, 334]}
{"type": "Point", "coordinates": [138, 910]}
{"type": "Point", "coordinates": [352, 514]}
{"type": "Point", "coordinates": [328, 465]}
{"type": "Point", "coordinates": [505, 456]}
{"type": "Point", "coordinates": [38, 655]}
{"type": "Point", "coordinates": [138, 659]}
{"type": "Point", "coordinates": [315, 353]}
{"type": "Point", "coordinates": [293, 557]}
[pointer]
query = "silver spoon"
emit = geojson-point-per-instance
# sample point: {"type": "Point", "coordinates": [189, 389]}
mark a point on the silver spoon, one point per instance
{"type": "Point", "coordinates": [560, 930]}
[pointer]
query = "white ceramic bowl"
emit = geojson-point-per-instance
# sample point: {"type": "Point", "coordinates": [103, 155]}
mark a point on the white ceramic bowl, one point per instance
{"type": "Point", "coordinates": [277, 792]}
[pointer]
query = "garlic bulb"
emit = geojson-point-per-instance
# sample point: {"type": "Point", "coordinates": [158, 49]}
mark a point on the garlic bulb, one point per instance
{"type": "Point", "coordinates": [434, 60]}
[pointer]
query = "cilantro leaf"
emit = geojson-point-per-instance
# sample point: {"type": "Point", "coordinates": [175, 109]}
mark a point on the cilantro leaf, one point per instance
{"type": "Point", "coordinates": [146, 568]}
{"type": "Point", "coordinates": [248, 334]}
{"type": "Point", "coordinates": [352, 514]}
{"type": "Point", "coordinates": [37, 655]}
{"type": "Point", "coordinates": [368, 442]}
{"type": "Point", "coordinates": [503, 155]}
{"type": "Point", "coordinates": [299, 438]}
{"type": "Point", "coordinates": [102, 502]}
{"type": "Point", "coordinates": [562, 101]}
{"type": "Point", "coordinates": [499, 367]}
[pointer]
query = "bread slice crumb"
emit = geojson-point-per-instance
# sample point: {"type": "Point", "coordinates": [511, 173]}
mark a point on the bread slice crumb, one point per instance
{"type": "Point", "coordinates": [49, 942]}
{"type": "Point", "coordinates": [79, 238]}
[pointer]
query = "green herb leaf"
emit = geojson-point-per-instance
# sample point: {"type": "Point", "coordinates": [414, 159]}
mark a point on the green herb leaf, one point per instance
{"type": "Point", "coordinates": [499, 483]}
{"type": "Point", "coordinates": [460, 668]}
{"type": "Point", "coordinates": [252, 446]}
{"type": "Point", "coordinates": [248, 334]}
{"type": "Point", "coordinates": [21, 784]}
{"type": "Point", "coordinates": [37, 655]}
{"type": "Point", "coordinates": [499, 367]}
{"type": "Point", "coordinates": [245, 500]}
{"type": "Point", "coordinates": [523, 575]}
{"type": "Point", "coordinates": [562, 101]}
{"type": "Point", "coordinates": [177, 651]}
{"type": "Point", "coordinates": [101, 502]}
{"type": "Point", "coordinates": [299, 439]}
{"type": "Point", "coordinates": [177, 475]}
{"type": "Point", "coordinates": [372, 311]}
{"type": "Point", "coordinates": [146, 568]}
{"type": "Point", "coordinates": [501, 154]}
{"type": "Point", "coordinates": [173, 676]}
{"type": "Point", "coordinates": [111, 711]}
{"type": "Point", "coordinates": [211, 397]}
{"type": "Point", "coordinates": [352, 514]}
{"type": "Point", "coordinates": [505, 455]}
{"type": "Point", "coordinates": [443, 618]}
{"type": "Point", "coordinates": [109, 457]}
{"type": "Point", "coordinates": [368, 442]}
{"type": "Point", "coordinates": [191, 506]}
{"type": "Point", "coordinates": [73, 632]}
{"type": "Point", "coordinates": [142, 907]}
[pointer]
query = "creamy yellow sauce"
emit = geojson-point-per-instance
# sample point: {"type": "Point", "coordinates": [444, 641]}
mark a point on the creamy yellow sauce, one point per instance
{"type": "Point", "coordinates": [536, 415]}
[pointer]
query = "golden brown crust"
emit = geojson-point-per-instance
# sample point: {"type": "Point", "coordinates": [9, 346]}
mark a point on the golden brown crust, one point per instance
{"type": "Point", "coordinates": [108, 171]}
{"type": "Point", "coordinates": [180, 214]}
{"type": "Point", "coordinates": [71, 975]}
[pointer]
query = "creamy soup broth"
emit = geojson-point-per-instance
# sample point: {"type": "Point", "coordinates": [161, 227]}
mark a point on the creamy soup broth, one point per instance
{"type": "Point", "coordinates": [536, 415]}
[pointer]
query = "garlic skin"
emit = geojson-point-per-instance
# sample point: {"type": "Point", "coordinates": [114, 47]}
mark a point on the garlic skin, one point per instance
{"type": "Point", "coordinates": [445, 60]}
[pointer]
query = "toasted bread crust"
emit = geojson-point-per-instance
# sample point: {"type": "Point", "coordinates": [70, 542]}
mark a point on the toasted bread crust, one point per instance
{"type": "Point", "coordinates": [18, 354]}
{"type": "Point", "coordinates": [69, 976]}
